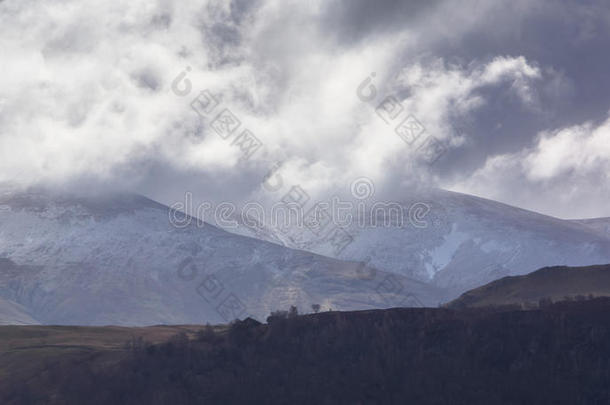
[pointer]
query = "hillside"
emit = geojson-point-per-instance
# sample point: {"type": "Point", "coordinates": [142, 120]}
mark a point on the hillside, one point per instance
{"type": "Point", "coordinates": [27, 350]}
{"type": "Point", "coordinates": [116, 259]}
{"type": "Point", "coordinates": [458, 243]}
{"type": "Point", "coordinates": [559, 354]}
{"type": "Point", "coordinates": [599, 225]}
{"type": "Point", "coordinates": [14, 314]}
{"type": "Point", "coordinates": [554, 283]}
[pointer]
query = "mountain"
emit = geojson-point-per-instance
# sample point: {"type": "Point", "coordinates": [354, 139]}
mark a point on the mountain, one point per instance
{"type": "Point", "coordinates": [14, 314]}
{"type": "Point", "coordinates": [454, 241]}
{"type": "Point", "coordinates": [116, 259]}
{"type": "Point", "coordinates": [554, 283]}
{"type": "Point", "coordinates": [598, 225]}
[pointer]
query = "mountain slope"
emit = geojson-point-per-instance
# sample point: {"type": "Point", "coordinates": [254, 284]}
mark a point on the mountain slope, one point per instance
{"type": "Point", "coordinates": [117, 260]}
{"type": "Point", "coordinates": [462, 242]}
{"type": "Point", "coordinates": [555, 283]}
{"type": "Point", "coordinates": [14, 314]}
{"type": "Point", "coordinates": [599, 225]}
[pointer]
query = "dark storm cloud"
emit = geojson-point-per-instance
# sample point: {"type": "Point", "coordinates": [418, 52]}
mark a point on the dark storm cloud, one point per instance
{"type": "Point", "coordinates": [358, 20]}
{"type": "Point", "coordinates": [570, 39]}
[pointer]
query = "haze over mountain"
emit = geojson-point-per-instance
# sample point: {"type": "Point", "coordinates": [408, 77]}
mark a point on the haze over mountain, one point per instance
{"type": "Point", "coordinates": [459, 242]}
{"type": "Point", "coordinates": [116, 259]}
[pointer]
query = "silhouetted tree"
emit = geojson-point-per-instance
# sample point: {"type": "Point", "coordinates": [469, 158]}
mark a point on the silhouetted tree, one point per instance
{"type": "Point", "coordinates": [293, 311]}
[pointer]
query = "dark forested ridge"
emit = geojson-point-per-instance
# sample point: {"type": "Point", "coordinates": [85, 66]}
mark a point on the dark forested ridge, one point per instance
{"type": "Point", "coordinates": [557, 354]}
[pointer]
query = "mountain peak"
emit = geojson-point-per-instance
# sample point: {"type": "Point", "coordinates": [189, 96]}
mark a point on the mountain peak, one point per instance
{"type": "Point", "coordinates": [98, 205]}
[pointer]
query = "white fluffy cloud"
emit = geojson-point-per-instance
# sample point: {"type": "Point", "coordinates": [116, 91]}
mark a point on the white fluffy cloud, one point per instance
{"type": "Point", "coordinates": [580, 150]}
{"type": "Point", "coordinates": [557, 174]}
{"type": "Point", "coordinates": [86, 92]}
{"type": "Point", "coordinates": [86, 88]}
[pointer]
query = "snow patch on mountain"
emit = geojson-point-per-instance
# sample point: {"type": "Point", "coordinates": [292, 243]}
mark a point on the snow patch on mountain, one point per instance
{"type": "Point", "coordinates": [599, 225]}
{"type": "Point", "coordinates": [117, 259]}
{"type": "Point", "coordinates": [441, 256]}
{"type": "Point", "coordinates": [467, 241]}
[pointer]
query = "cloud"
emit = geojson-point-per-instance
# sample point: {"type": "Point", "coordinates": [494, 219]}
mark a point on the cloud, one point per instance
{"type": "Point", "coordinates": [564, 172]}
{"type": "Point", "coordinates": [582, 149]}
{"type": "Point", "coordinates": [85, 86]}
{"type": "Point", "coordinates": [86, 90]}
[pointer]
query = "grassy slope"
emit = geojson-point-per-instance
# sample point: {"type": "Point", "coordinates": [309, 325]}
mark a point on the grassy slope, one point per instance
{"type": "Point", "coordinates": [555, 283]}
{"type": "Point", "coordinates": [29, 350]}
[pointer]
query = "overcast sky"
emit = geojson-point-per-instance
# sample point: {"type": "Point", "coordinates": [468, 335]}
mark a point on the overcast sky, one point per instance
{"type": "Point", "coordinates": [507, 100]}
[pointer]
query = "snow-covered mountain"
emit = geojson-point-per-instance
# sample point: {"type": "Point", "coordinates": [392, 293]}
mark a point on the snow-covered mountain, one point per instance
{"type": "Point", "coordinates": [14, 314]}
{"type": "Point", "coordinates": [599, 225]}
{"type": "Point", "coordinates": [118, 260]}
{"type": "Point", "coordinates": [458, 241]}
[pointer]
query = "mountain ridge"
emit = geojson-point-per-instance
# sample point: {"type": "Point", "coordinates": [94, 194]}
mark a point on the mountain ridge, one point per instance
{"type": "Point", "coordinates": [554, 283]}
{"type": "Point", "coordinates": [118, 260]}
{"type": "Point", "coordinates": [467, 241]}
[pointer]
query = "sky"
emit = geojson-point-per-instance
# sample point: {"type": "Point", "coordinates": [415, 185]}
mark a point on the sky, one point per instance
{"type": "Point", "coordinates": [507, 100]}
